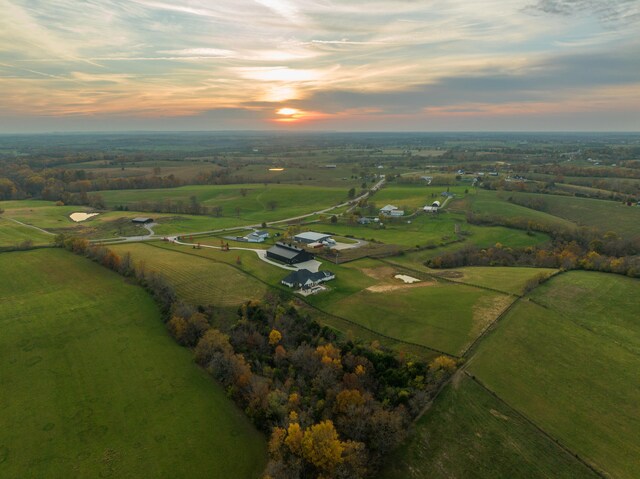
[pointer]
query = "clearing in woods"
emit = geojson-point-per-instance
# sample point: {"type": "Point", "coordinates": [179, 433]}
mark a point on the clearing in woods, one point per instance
{"type": "Point", "coordinates": [93, 386]}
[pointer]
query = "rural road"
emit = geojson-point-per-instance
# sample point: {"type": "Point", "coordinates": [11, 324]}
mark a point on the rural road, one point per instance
{"type": "Point", "coordinates": [31, 226]}
{"type": "Point", "coordinates": [153, 236]}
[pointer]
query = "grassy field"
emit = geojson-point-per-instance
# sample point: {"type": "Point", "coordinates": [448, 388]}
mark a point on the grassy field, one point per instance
{"type": "Point", "coordinates": [510, 280]}
{"type": "Point", "coordinates": [570, 362]}
{"type": "Point", "coordinates": [439, 315]}
{"type": "Point", "coordinates": [195, 279]}
{"type": "Point", "coordinates": [496, 204]}
{"type": "Point", "coordinates": [468, 433]}
{"type": "Point", "coordinates": [109, 224]}
{"type": "Point", "coordinates": [93, 386]}
{"type": "Point", "coordinates": [601, 214]}
{"type": "Point", "coordinates": [12, 233]}
{"type": "Point", "coordinates": [253, 202]}
{"type": "Point", "coordinates": [413, 197]}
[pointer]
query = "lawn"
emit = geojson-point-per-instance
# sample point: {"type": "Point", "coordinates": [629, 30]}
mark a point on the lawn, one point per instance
{"type": "Point", "coordinates": [195, 279]}
{"type": "Point", "coordinates": [93, 386]}
{"type": "Point", "coordinates": [12, 233]}
{"type": "Point", "coordinates": [570, 362]}
{"type": "Point", "coordinates": [438, 315]}
{"type": "Point", "coordinates": [468, 433]}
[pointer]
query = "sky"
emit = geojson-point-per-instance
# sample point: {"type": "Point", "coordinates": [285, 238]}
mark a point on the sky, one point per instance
{"type": "Point", "coordinates": [345, 65]}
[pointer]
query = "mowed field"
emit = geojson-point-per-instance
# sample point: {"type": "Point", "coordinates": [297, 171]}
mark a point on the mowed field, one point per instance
{"type": "Point", "coordinates": [468, 433]}
{"type": "Point", "coordinates": [570, 361]}
{"type": "Point", "coordinates": [93, 386]}
{"type": "Point", "coordinates": [196, 279]}
{"type": "Point", "coordinates": [436, 314]}
{"type": "Point", "coordinates": [251, 202]}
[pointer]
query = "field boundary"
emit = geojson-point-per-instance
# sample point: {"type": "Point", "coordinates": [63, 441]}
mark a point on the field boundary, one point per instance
{"type": "Point", "coordinates": [592, 467]}
{"type": "Point", "coordinates": [339, 318]}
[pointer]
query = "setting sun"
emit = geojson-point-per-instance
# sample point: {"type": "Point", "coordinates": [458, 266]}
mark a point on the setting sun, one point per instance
{"type": "Point", "coordinates": [288, 111]}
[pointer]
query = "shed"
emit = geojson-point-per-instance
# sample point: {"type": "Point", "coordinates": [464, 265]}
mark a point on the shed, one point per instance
{"type": "Point", "coordinates": [288, 254]}
{"type": "Point", "coordinates": [142, 221]}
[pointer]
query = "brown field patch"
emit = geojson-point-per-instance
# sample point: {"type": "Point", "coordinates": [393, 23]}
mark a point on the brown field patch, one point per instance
{"type": "Point", "coordinates": [487, 309]}
{"type": "Point", "coordinates": [383, 288]}
{"type": "Point", "coordinates": [380, 272]}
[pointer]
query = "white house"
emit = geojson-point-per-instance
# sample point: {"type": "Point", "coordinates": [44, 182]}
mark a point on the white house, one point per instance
{"type": "Point", "coordinates": [303, 278]}
{"type": "Point", "coordinates": [256, 236]}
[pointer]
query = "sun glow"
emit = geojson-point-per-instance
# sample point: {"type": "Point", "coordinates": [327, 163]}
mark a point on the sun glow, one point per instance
{"type": "Point", "coordinates": [288, 111]}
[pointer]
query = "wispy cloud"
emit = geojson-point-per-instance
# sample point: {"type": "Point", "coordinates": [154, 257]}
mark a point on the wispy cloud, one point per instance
{"type": "Point", "coordinates": [371, 61]}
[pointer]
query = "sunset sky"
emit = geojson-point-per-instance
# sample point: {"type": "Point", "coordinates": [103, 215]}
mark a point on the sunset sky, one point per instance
{"type": "Point", "coordinates": [418, 65]}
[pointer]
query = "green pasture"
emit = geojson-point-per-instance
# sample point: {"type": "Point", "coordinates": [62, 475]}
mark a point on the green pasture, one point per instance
{"type": "Point", "coordinates": [249, 261]}
{"type": "Point", "coordinates": [495, 204]}
{"type": "Point", "coordinates": [12, 234]}
{"type": "Point", "coordinates": [511, 280]}
{"type": "Point", "coordinates": [468, 433]}
{"type": "Point", "coordinates": [93, 386]}
{"type": "Point", "coordinates": [601, 214]}
{"type": "Point", "coordinates": [251, 202]}
{"type": "Point", "coordinates": [435, 314]}
{"type": "Point", "coordinates": [413, 197]}
{"type": "Point", "coordinates": [196, 280]}
{"type": "Point", "coordinates": [570, 361]}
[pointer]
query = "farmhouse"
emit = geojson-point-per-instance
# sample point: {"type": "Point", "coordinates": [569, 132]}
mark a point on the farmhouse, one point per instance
{"type": "Point", "coordinates": [142, 221]}
{"type": "Point", "coordinates": [309, 237]}
{"type": "Point", "coordinates": [303, 278]}
{"type": "Point", "coordinates": [391, 210]}
{"type": "Point", "coordinates": [288, 254]}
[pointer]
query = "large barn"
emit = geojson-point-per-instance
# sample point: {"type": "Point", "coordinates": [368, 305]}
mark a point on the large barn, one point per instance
{"type": "Point", "coordinates": [288, 254]}
{"type": "Point", "coordinates": [311, 237]}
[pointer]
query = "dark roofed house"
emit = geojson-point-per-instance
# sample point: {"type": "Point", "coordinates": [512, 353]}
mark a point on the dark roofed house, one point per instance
{"type": "Point", "coordinates": [142, 221]}
{"type": "Point", "coordinates": [303, 278]}
{"type": "Point", "coordinates": [288, 254]}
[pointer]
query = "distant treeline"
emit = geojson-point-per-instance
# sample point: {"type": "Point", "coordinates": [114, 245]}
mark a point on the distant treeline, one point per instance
{"type": "Point", "coordinates": [332, 408]}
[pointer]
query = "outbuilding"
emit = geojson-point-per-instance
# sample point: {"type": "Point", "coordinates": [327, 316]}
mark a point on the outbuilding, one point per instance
{"type": "Point", "coordinates": [288, 254]}
{"type": "Point", "coordinates": [311, 237]}
{"type": "Point", "coordinates": [142, 221]}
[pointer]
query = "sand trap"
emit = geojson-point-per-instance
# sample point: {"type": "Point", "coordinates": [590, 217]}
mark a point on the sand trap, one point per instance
{"type": "Point", "coordinates": [276, 169]}
{"type": "Point", "coordinates": [407, 279]}
{"type": "Point", "coordinates": [78, 217]}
